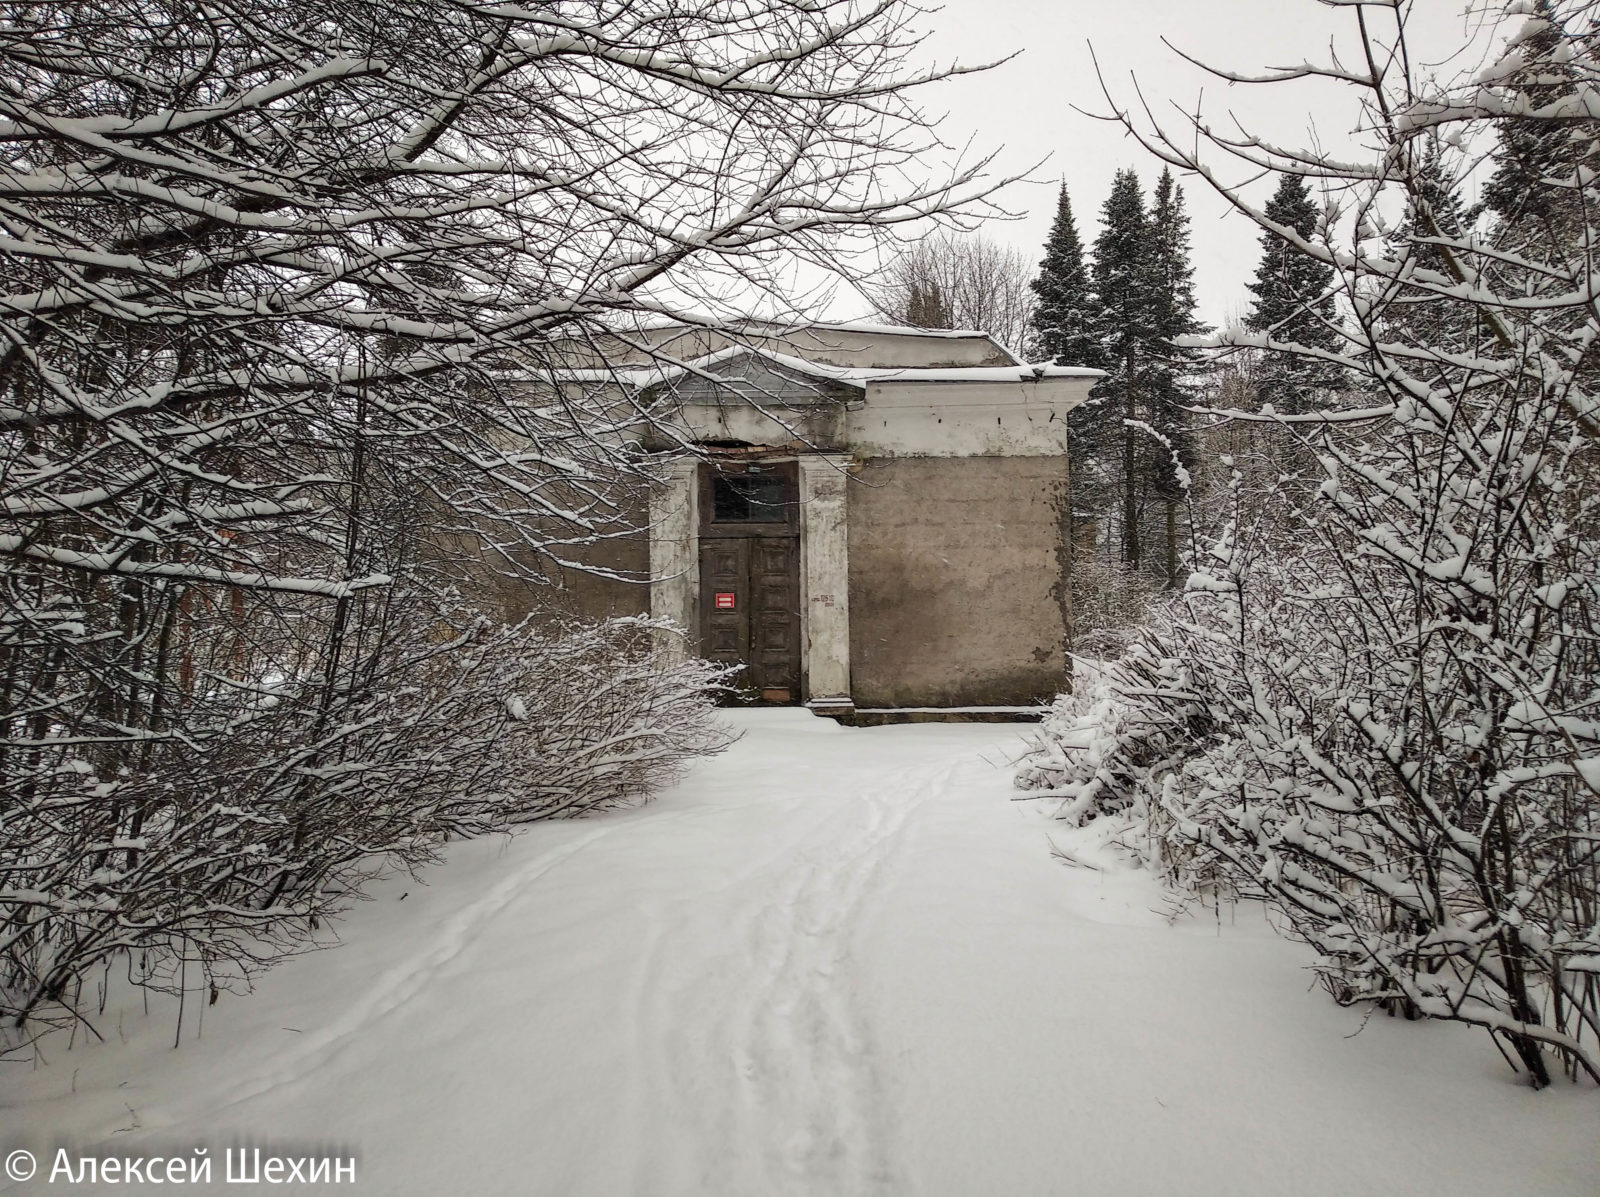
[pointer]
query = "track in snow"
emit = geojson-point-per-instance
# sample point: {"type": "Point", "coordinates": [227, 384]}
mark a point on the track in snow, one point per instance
{"type": "Point", "coordinates": [796, 1080]}
{"type": "Point", "coordinates": [833, 962]}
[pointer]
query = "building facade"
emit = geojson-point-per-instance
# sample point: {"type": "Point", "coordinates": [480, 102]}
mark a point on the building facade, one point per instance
{"type": "Point", "coordinates": [873, 519]}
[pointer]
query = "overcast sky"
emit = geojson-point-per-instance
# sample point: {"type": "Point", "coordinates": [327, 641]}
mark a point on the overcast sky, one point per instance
{"type": "Point", "coordinates": [1027, 105]}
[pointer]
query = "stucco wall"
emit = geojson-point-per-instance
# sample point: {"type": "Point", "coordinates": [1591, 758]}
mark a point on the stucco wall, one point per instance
{"type": "Point", "coordinates": [862, 346]}
{"type": "Point", "coordinates": [589, 596]}
{"type": "Point", "coordinates": [775, 407]}
{"type": "Point", "coordinates": [956, 594]}
{"type": "Point", "coordinates": [837, 345]}
{"type": "Point", "coordinates": [900, 418]}
{"type": "Point", "coordinates": [953, 419]}
{"type": "Point", "coordinates": [572, 593]}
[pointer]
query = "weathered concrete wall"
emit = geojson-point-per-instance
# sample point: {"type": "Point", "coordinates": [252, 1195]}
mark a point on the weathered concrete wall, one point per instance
{"type": "Point", "coordinates": [955, 419]}
{"type": "Point", "coordinates": [835, 344]}
{"type": "Point", "coordinates": [774, 407]}
{"type": "Point", "coordinates": [825, 577]}
{"type": "Point", "coordinates": [548, 588]}
{"type": "Point", "coordinates": [866, 345]}
{"type": "Point", "coordinates": [674, 554]}
{"type": "Point", "coordinates": [898, 417]}
{"type": "Point", "coordinates": [956, 595]}
{"type": "Point", "coordinates": [588, 596]}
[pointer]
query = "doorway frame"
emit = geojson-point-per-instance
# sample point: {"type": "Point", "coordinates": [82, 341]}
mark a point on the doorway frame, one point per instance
{"type": "Point", "coordinates": [824, 482]}
{"type": "Point", "coordinates": [750, 540]}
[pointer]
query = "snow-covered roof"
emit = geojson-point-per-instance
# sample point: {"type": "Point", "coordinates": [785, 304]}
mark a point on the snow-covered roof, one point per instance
{"type": "Point", "coordinates": [866, 326]}
{"type": "Point", "coordinates": [656, 328]}
{"type": "Point", "coordinates": [1020, 373]}
{"type": "Point", "coordinates": [654, 323]}
{"type": "Point", "coordinates": [856, 376]}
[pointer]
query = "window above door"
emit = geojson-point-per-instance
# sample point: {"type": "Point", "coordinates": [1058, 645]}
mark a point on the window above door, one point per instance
{"type": "Point", "coordinates": [744, 499]}
{"type": "Point", "coordinates": [761, 498]}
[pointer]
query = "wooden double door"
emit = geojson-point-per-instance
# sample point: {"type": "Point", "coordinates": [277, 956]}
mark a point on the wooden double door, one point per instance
{"type": "Point", "coordinates": [750, 577]}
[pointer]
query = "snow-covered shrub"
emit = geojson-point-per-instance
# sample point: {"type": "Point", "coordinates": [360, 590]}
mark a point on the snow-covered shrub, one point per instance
{"type": "Point", "coordinates": [293, 301]}
{"type": "Point", "coordinates": [1393, 746]}
{"type": "Point", "coordinates": [216, 856]}
{"type": "Point", "coordinates": [1109, 600]}
{"type": "Point", "coordinates": [1097, 745]}
{"type": "Point", "coordinates": [1388, 727]}
{"type": "Point", "coordinates": [575, 720]}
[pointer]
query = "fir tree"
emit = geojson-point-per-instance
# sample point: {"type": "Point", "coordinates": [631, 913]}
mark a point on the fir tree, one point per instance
{"type": "Point", "coordinates": [1436, 192]}
{"type": "Point", "coordinates": [1066, 315]}
{"type": "Point", "coordinates": [1173, 304]}
{"type": "Point", "coordinates": [1139, 294]}
{"type": "Point", "coordinates": [1292, 303]}
{"type": "Point", "coordinates": [1125, 285]}
{"type": "Point", "coordinates": [926, 307]}
{"type": "Point", "coordinates": [1168, 386]}
{"type": "Point", "coordinates": [1532, 152]}
{"type": "Point", "coordinates": [1433, 209]}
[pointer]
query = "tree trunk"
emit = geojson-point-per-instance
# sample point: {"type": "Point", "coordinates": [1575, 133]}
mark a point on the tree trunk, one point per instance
{"type": "Point", "coordinates": [1130, 504]}
{"type": "Point", "coordinates": [1172, 543]}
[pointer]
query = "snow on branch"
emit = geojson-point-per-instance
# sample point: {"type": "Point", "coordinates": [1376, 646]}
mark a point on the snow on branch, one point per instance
{"type": "Point", "coordinates": [1374, 706]}
{"type": "Point", "coordinates": [294, 316]}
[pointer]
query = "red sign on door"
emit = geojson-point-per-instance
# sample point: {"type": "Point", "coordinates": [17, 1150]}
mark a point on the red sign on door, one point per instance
{"type": "Point", "coordinates": [724, 601]}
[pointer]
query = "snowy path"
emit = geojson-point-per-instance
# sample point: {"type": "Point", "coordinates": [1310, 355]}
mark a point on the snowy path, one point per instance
{"type": "Point", "coordinates": [833, 962]}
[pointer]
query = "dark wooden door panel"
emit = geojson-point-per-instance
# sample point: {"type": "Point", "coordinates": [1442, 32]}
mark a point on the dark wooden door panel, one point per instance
{"type": "Point", "coordinates": [723, 561]}
{"type": "Point", "coordinates": [725, 569]}
{"type": "Point", "coordinates": [771, 555]}
{"type": "Point", "coordinates": [723, 642]}
{"type": "Point", "coordinates": [775, 618]}
{"type": "Point", "coordinates": [762, 629]}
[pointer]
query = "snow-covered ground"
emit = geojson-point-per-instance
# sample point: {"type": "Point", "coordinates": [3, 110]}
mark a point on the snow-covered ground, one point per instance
{"type": "Point", "coordinates": [832, 962]}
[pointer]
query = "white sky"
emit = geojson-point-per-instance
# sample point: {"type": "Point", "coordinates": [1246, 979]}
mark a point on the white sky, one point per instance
{"type": "Point", "coordinates": [1027, 105]}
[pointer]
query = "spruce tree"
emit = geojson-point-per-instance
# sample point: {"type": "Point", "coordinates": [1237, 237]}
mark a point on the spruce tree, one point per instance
{"type": "Point", "coordinates": [1292, 304]}
{"type": "Point", "coordinates": [1530, 151]}
{"type": "Point", "coordinates": [1139, 296]}
{"type": "Point", "coordinates": [1169, 387]}
{"type": "Point", "coordinates": [1433, 209]}
{"type": "Point", "coordinates": [1066, 315]}
{"type": "Point", "coordinates": [926, 306]}
{"type": "Point", "coordinates": [1435, 190]}
{"type": "Point", "coordinates": [1124, 284]}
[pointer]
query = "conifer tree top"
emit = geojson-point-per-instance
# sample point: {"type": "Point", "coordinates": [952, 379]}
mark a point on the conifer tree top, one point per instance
{"type": "Point", "coordinates": [1065, 315]}
{"type": "Point", "coordinates": [1293, 303]}
{"type": "Point", "coordinates": [1288, 282]}
{"type": "Point", "coordinates": [1532, 151]}
{"type": "Point", "coordinates": [1174, 296]}
{"type": "Point", "coordinates": [1123, 280]}
{"type": "Point", "coordinates": [1063, 250]}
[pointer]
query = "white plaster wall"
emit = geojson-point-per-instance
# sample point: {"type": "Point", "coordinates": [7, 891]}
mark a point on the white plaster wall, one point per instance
{"type": "Point", "coordinates": [818, 425]}
{"type": "Point", "coordinates": [825, 576]}
{"type": "Point", "coordinates": [675, 556]}
{"type": "Point", "coordinates": [865, 347]}
{"type": "Point", "coordinates": [965, 419]}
